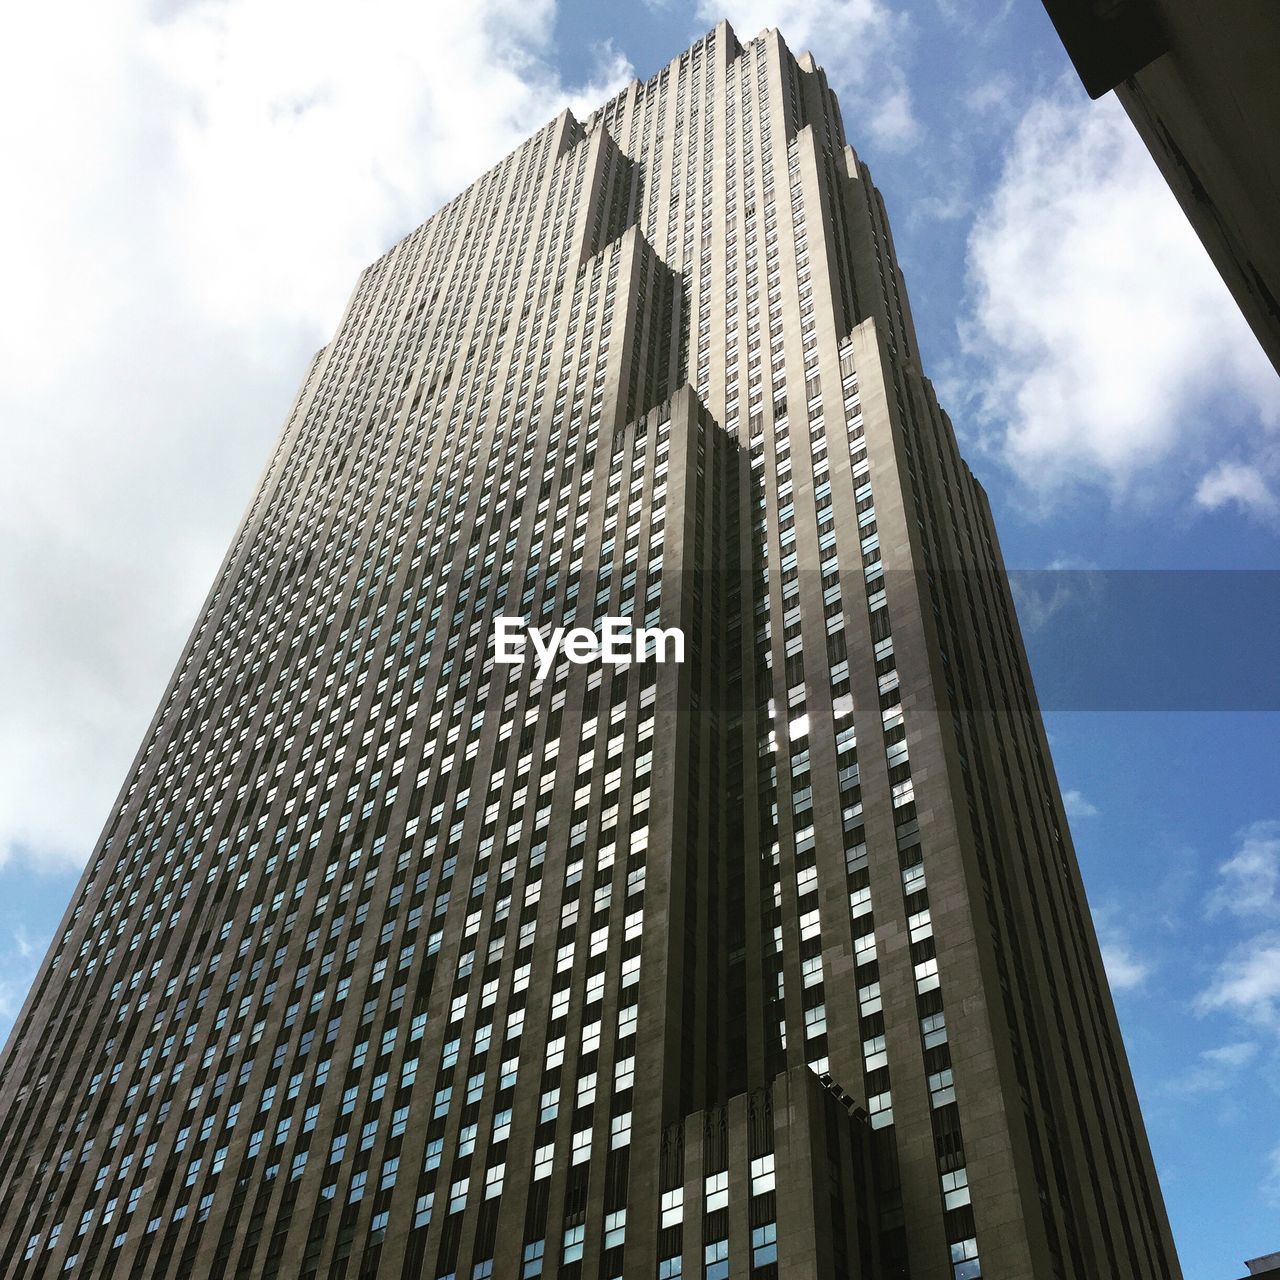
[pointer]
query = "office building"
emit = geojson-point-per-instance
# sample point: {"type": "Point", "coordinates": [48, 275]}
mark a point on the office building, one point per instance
{"type": "Point", "coordinates": [397, 960]}
{"type": "Point", "coordinates": [1262, 1268]}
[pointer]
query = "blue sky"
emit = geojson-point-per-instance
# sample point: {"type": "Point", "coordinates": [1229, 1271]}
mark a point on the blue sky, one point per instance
{"type": "Point", "coordinates": [207, 180]}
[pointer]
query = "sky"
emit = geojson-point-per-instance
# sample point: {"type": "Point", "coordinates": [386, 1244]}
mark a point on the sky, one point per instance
{"type": "Point", "coordinates": [192, 190]}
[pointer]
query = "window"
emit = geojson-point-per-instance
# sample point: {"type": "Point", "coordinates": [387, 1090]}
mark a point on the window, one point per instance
{"type": "Point", "coordinates": [615, 1228]}
{"type": "Point", "coordinates": [955, 1188]}
{"type": "Point", "coordinates": [573, 1238]}
{"type": "Point", "coordinates": [964, 1260]}
{"type": "Point", "coordinates": [533, 1253]}
{"type": "Point", "coordinates": [716, 1258]}
{"type": "Point", "coordinates": [620, 1130]}
{"type": "Point", "coordinates": [764, 1244]}
{"type": "Point", "coordinates": [941, 1088]}
{"type": "Point", "coordinates": [673, 1207]}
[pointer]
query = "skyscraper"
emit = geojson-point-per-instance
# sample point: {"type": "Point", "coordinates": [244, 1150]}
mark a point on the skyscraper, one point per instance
{"type": "Point", "coordinates": [401, 958]}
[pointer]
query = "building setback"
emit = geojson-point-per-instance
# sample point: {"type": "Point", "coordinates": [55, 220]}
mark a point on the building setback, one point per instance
{"type": "Point", "coordinates": [394, 960]}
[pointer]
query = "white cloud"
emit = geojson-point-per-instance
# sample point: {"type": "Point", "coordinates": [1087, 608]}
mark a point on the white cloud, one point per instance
{"type": "Point", "coordinates": [1108, 338]}
{"type": "Point", "coordinates": [1215, 1069]}
{"type": "Point", "coordinates": [859, 43]}
{"type": "Point", "coordinates": [13, 991]}
{"type": "Point", "coordinates": [892, 123]}
{"type": "Point", "coordinates": [19, 964]}
{"type": "Point", "coordinates": [1126, 969]}
{"type": "Point", "coordinates": [1240, 485]}
{"type": "Point", "coordinates": [1247, 983]}
{"type": "Point", "coordinates": [343, 131]}
{"type": "Point", "coordinates": [1249, 881]}
{"type": "Point", "coordinates": [1077, 806]}
{"type": "Point", "coordinates": [980, 20]}
{"type": "Point", "coordinates": [1230, 1057]}
{"type": "Point", "coordinates": [199, 193]}
{"type": "Point", "coordinates": [950, 203]}
{"type": "Point", "coordinates": [994, 95]}
{"type": "Point", "coordinates": [1041, 595]}
{"type": "Point", "coordinates": [1271, 1178]}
